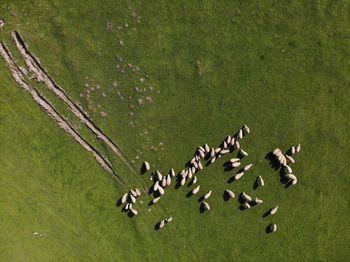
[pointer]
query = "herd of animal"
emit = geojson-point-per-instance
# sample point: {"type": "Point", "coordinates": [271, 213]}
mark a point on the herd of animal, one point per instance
{"type": "Point", "coordinates": [194, 166]}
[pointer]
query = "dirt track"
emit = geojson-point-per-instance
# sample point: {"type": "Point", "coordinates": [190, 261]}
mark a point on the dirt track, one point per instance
{"type": "Point", "coordinates": [51, 111]}
{"type": "Point", "coordinates": [34, 66]}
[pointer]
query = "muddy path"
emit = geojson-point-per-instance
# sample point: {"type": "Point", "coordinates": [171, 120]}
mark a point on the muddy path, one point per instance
{"type": "Point", "coordinates": [51, 111]}
{"type": "Point", "coordinates": [41, 74]}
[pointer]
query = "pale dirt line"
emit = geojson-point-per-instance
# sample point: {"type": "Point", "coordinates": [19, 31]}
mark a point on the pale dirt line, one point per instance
{"type": "Point", "coordinates": [51, 111]}
{"type": "Point", "coordinates": [34, 65]}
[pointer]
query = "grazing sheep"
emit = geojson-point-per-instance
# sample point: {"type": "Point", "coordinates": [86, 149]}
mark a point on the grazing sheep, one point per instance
{"type": "Point", "coordinates": [239, 175]}
{"type": "Point", "coordinates": [290, 176]}
{"type": "Point", "coordinates": [206, 147]}
{"type": "Point", "coordinates": [232, 160]}
{"type": "Point", "coordinates": [190, 174]}
{"type": "Point", "coordinates": [194, 180]}
{"type": "Point", "coordinates": [169, 219]}
{"type": "Point", "coordinates": [133, 199]}
{"type": "Point", "coordinates": [168, 180]}
{"type": "Point", "coordinates": [133, 211]}
{"type": "Point", "coordinates": [224, 145]}
{"type": "Point", "coordinates": [172, 172]}
{"type": "Point", "coordinates": [277, 151]}
{"type": "Point", "coordinates": [195, 164]}
{"type": "Point", "coordinates": [297, 148]}
{"type": "Point", "coordinates": [161, 190]}
{"type": "Point", "coordinates": [257, 200]}
{"type": "Point", "coordinates": [124, 197]}
{"type": "Point", "coordinates": [230, 193]}
{"type": "Point", "coordinates": [183, 181]}
{"type": "Point", "coordinates": [156, 186]}
{"type": "Point", "coordinates": [260, 181]}
{"type": "Point", "coordinates": [138, 192]}
{"type": "Point", "coordinates": [133, 193]}
{"type": "Point", "coordinates": [212, 152]}
{"type": "Point", "coordinates": [200, 166]}
{"type": "Point", "coordinates": [224, 151]}
{"type": "Point", "coordinates": [233, 141]}
{"type": "Point", "coordinates": [246, 205]}
{"type": "Point", "coordinates": [184, 173]}
{"type": "Point", "coordinates": [243, 153]}
{"type": "Point", "coordinates": [202, 154]}
{"type": "Point", "coordinates": [161, 224]}
{"type": "Point", "coordinates": [205, 205]}
{"type": "Point", "coordinates": [159, 175]}
{"type": "Point", "coordinates": [228, 140]}
{"type": "Point", "coordinates": [289, 169]}
{"type": "Point", "coordinates": [236, 164]}
{"type": "Point", "coordinates": [292, 150]}
{"type": "Point", "coordinates": [240, 134]}
{"type": "Point", "coordinates": [294, 181]}
{"type": "Point", "coordinates": [217, 150]}
{"type": "Point", "coordinates": [273, 227]}
{"type": "Point", "coordinates": [274, 210]}
{"type": "Point", "coordinates": [193, 171]}
{"type": "Point", "coordinates": [237, 145]}
{"type": "Point", "coordinates": [197, 157]}
{"type": "Point", "coordinates": [290, 159]}
{"type": "Point", "coordinates": [246, 197]}
{"type": "Point", "coordinates": [207, 195]}
{"type": "Point", "coordinates": [196, 190]}
{"type": "Point", "coordinates": [155, 200]}
{"type": "Point", "coordinates": [282, 159]}
{"type": "Point", "coordinates": [127, 206]}
{"type": "Point", "coordinates": [213, 160]}
{"type": "Point", "coordinates": [246, 129]}
{"type": "Point", "coordinates": [200, 148]}
{"type": "Point", "coordinates": [193, 160]}
{"type": "Point", "coordinates": [163, 182]}
{"type": "Point", "coordinates": [247, 167]}
{"type": "Point", "coordinates": [146, 165]}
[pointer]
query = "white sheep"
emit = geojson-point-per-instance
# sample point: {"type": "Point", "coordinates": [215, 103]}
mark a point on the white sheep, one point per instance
{"type": "Point", "coordinates": [217, 150]}
{"type": "Point", "coordinates": [200, 148]}
{"type": "Point", "coordinates": [224, 145]}
{"type": "Point", "coordinates": [230, 193]}
{"type": "Point", "coordinates": [228, 140]}
{"type": "Point", "coordinates": [194, 180]}
{"type": "Point", "coordinates": [246, 129]}
{"type": "Point", "coordinates": [276, 151]}
{"type": "Point", "coordinates": [193, 160]}
{"type": "Point", "coordinates": [292, 150]}
{"type": "Point", "coordinates": [297, 148]}
{"type": "Point", "coordinates": [240, 134]}
{"type": "Point", "coordinates": [243, 153]}
{"type": "Point", "coordinates": [183, 181]}
{"type": "Point", "coordinates": [133, 199]}
{"type": "Point", "coordinates": [213, 160]}
{"type": "Point", "coordinates": [202, 154]}
{"type": "Point", "coordinates": [224, 151]}
{"type": "Point", "coordinates": [205, 205]}
{"type": "Point", "coordinates": [133, 211]}
{"type": "Point", "coordinates": [232, 160]}
{"type": "Point", "coordinates": [290, 159]}
{"type": "Point", "coordinates": [169, 219]}
{"type": "Point", "coordinates": [133, 193]}
{"type": "Point", "coordinates": [164, 182]}
{"type": "Point", "coordinates": [260, 181]}
{"type": "Point", "coordinates": [289, 169]}
{"type": "Point", "coordinates": [247, 167]}
{"type": "Point", "coordinates": [168, 180]}
{"type": "Point", "coordinates": [200, 166]}
{"type": "Point", "coordinates": [273, 227]}
{"type": "Point", "coordinates": [127, 206]}
{"type": "Point", "coordinates": [156, 186]}
{"type": "Point", "coordinates": [207, 195]}
{"type": "Point", "coordinates": [155, 200]}
{"type": "Point", "coordinates": [290, 176]}
{"type": "Point", "coordinates": [206, 147]}
{"type": "Point", "coordinates": [146, 165]}
{"type": "Point", "coordinates": [172, 172]}
{"type": "Point", "coordinates": [212, 152]}
{"type": "Point", "coordinates": [236, 164]}
{"type": "Point", "coordinates": [294, 181]}
{"type": "Point", "coordinates": [239, 175]}
{"type": "Point", "coordinates": [237, 145]}
{"type": "Point", "coordinates": [193, 170]}
{"type": "Point", "coordinates": [274, 210]}
{"type": "Point", "coordinates": [138, 192]}
{"type": "Point", "coordinates": [161, 224]}
{"type": "Point", "coordinates": [196, 190]}
{"type": "Point", "coordinates": [246, 197]}
{"type": "Point", "coordinates": [233, 141]}
{"type": "Point", "coordinates": [246, 205]}
{"type": "Point", "coordinates": [124, 197]}
{"type": "Point", "coordinates": [159, 175]}
{"type": "Point", "coordinates": [257, 200]}
{"type": "Point", "coordinates": [161, 190]}
{"type": "Point", "coordinates": [190, 174]}
{"type": "Point", "coordinates": [195, 164]}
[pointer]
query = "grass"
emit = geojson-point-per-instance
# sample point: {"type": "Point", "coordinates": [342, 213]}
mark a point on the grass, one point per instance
{"type": "Point", "coordinates": [280, 67]}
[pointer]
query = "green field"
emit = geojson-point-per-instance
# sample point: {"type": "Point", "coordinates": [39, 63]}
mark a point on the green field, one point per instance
{"type": "Point", "coordinates": [281, 67]}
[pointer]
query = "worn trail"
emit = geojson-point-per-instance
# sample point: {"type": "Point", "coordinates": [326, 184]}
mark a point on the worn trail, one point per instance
{"type": "Point", "coordinates": [34, 66]}
{"type": "Point", "coordinates": [51, 111]}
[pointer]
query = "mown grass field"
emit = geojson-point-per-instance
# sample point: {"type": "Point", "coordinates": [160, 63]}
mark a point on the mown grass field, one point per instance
{"type": "Point", "coordinates": [281, 67]}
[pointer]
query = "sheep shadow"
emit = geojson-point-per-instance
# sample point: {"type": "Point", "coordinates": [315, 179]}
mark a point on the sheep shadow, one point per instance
{"type": "Point", "coordinates": [231, 179]}
{"type": "Point", "coordinates": [130, 214]}
{"type": "Point", "coordinates": [268, 229]}
{"type": "Point", "coordinates": [226, 196]}
{"type": "Point", "coordinates": [157, 226]}
{"type": "Point", "coordinates": [266, 213]}
{"type": "Point", "coordinates": [202, 209]}
{"type": "Point", "coordinates": [119, 202]}
{"type": "Point", "coordinates": [227, 163]}
{"type": "Point", "coordinates": [143, 169]}
{"type": "Point", "coordinates": [255, 185]}
{"type": "Point", "coordinates": [274, 163]}
{"type": "Point", "coordinates": [189, 194]}
{"type": "Point", "coordinates": [289, 183]}
{"type": "Point", "coordinates": [201, 199]}
{"type": "Point", "coordinates": [241, 200]}
{"type": "Point", "coordinates": [241, 207]}
{"type": "Point", "coordinates": [178, 181]}
{"type": "Point", "coordinates": [228, 168]}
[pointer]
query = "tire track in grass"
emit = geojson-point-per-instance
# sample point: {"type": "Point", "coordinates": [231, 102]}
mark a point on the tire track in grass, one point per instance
{"type": "Point", "coordinates": [51, 111]}
{"type": "Point", "coordinates": [34, 66]}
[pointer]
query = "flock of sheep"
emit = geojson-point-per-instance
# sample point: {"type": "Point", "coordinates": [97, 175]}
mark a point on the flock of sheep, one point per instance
{"type": "Point", "coordinates": [194, 166]}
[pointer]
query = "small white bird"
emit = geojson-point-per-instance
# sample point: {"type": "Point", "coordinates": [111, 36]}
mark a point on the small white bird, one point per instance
{"type": "Point", "coordinates": [236, 164]}
{"type": "Point", "coordinates": [207, 195]}
{"type": "Point", "coordinates": [230, 193]}
{"type": "Point", "coordinates": [146, 165]}
{"type": "Point", "coordinates": [247, 167]}
{"type": "Point", "coordinates": [273, 227]}
{"type": "Point", "coordinates": [257, 200]}
{"type": "Point", "coordinates": [205, 205]}
{"type": "Point", "coordinates": [297, 148]}
{"type": "Point", "coordinates": [260, 181]}
{"type": "Point", "coordinates": [232, 160]}
{"type": "Point", "coordinates": [196, 190]}
{"type": "Point", "coordinates": [239, 175]}
{"type": "Point", "coordinates": [161, 190]}
{"type": "Point", "coordinates": [246, 197]}
{"type": "Point", "coordinates": [243, 153]}
{"type": "Point", "coordinates": [155, 200]}
{"type": "Point", "coordinates": [274, 210]}
{"type": "Point", "coordinates": [124, 197]}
